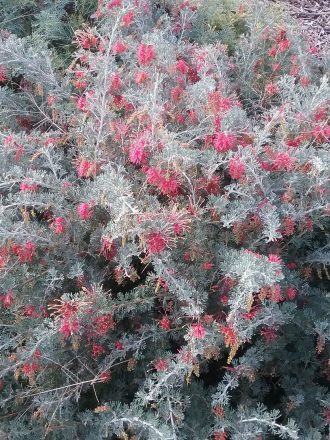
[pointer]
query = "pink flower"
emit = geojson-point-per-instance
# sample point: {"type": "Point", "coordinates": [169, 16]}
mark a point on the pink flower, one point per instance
{"type": "Point", "coordinates": [271, 89]}
{"type": "Point", "coordinates": [116, 83]}
{"type": "Point", "coordinates": [283, 161]}
{"type": "Point", "coordinates": [272, 258]}
{"type": "Point", "coordinates": [224, 142]}
{"type": "Point", "coordinates": [140, 77]}
{"type": "Point", "coordinates": [25, 254]}
{"type": "Point", "coordinates": [137, 153]}
{"type": "Point", "coordinates": [97, 350]}
{"type": "Point", "coordinates": [269, 333]}
{"type": "Point", "coordinates": [86, 168]}
{"type": "Point", "coordinates": [236, 168]}
{"type": "Point", "coordinates": [119, 47]}
{"type": "Point", "coordinates": [28, 187]}
{"type": "Point", "coordinates": [165, 323]}
{"type": "Point", "coordinates": [176, 94]}
{"type": "Point", "coordinates": [119, 345]}
{"type": "Point", "coordinates": [182, 67]}
{"type": "Point", "coordinates": [161, 364]}
{"type": "Point", "coordinates": [198, 331]}
{"type": "Point", "coordinates": [156, 243]}
{"type": "Point", "coordinates": [291, 293]}
{"type": "Point", "coordinates": [289, 225]}
{"type": "Point", "coordinates": [283, 45]}
{"type": "Point", "coordinates": [146, 54]}
{"type": "Point", "coordinates": [272, 52]}
{"type": "Point", "coordinates": [127, 19]}
{"type": "Point", "coordinates": [82, 104]}
{"type": "Point", "coordinates": [7, 299]}
{"type": "Point", "coordinates": [69, 327]}
{"type": "Point", "coordinates": [58, 225]}
{"type": "Point", "coordinates": [3, 75]}
{"type": "Point", "coordinates": [108, 248]}
{"type": "Point", "coordinates": [84, 211]}
{"type": "Point", "coordinates": [169, 187]}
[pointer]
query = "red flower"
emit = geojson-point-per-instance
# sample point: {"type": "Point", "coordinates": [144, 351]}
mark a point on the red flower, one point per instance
{"type": "Point", "coordinates": [229, 335]}
{"type": "Point", "coordinates": [140, 77]}
{"type": "Point", "coordinates": [161, 364]}
{"type": "Point", "coordinates": [165, 323]}
{"type": "Point", "coordinates": [119, 345]}
{"type": "Point", "coordinates": [289, 225]}
{"type": "Point", "coordinates": [103, 323]}
{"type": "Point", "coordinates": [29, 311]}
{"type": "Point", "coordinates": [127, 19]}
{"type": "Point", "coordinates": [82, 104]}
{"type": "Point", "coordinates": [236, 168]}
{"type": "Point", "coordinates": [169, 187]}
{"type": "Point", "coordinates": [67, 328]}
{"type": "Point", "coordinates": [84, 211]}
{"type": "Point", "coordinates": [137, 153]}
{"type": "Point", "coordinates": [29, 369]}
{"type": "Point", "coordinates": [114, 3]}
{"type": "Point", "coordinates": [220, 435]}
{"type": "Point", "coordinates": [108, 248]}
{"type": "Point", "coordinates": [271, 89]}
{"type": "Point", "coordinates": [198, 331]}
{"type": "Point", "coordinates": [182, 67]}
{"type": "Point", "coordinates": [58, 225]}
{"type": "Point", "coordinates": [97, 350]}
{"type": "Point", "coordinates": [116, 83]}
{"type": "Point", "coordinates": [176, 94]}
{"type": "Point", "coordinates": [272, 52]}
{"type": "Point", "coordinates": [208, 265]}
{"type": "Point", "coordinates": [283, 45]}
{"type": "Point", "coordinates": [283, 161]}
{"type": "Point", "coordinates": [156, 243]}
{"type": "Point", "coordinates": [119, 47]}
{"type": "Point", "coordinates": [224, 142]}
{"type": "Point", "coordinates": [291, 293]}
{"type": "Point", "coordinates": [273, 258]}
{"type": "Point", "coordinates": [26, 253]}
{"type": "Point", "coordinates": [7, 299]}
{"type": "Point", "coordinates": [146, 54]}
{"type": "Point", "coordinates": [3, 75]}
{"type": "Point", "coordinates": [28, 187]}
{"type": "Point", "coordinates": [269, 333]}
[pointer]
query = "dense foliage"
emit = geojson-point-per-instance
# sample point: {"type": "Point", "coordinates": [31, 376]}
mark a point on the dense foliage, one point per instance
{"type": "Point", "coordinates": [164, 223]}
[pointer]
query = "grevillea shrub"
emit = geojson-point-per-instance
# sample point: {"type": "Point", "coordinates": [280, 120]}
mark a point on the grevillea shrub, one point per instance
{"type": "Point", "coordinates": [164, 221]}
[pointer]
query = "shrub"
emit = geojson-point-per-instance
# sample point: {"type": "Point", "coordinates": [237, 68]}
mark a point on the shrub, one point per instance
{"type": "Point", "coordinates": [163, 232]}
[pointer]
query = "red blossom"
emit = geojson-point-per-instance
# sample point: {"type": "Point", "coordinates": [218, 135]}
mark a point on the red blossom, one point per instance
{"type": "Point", "coordinates": [140, 77]}
{"type": "Point", "coordinates": [84, 211]}
{"type": "Point", "coordinates": [283, 161]}
{"type": "Point", "coordinates": [103, 323]}
{"type": "Point", "coordinates": [161, 365]}
{"type": "Point", "coordinates": [137, 151]}
{"type": "Point", "coordinates": [58, 225]}
{"type": "Point", "coordinates": [236, 168]}
{"type": "Point", "coordinates": [28, 187]}
{"type": "Point", "coordinates": [229, 334]}
{"type": "Point", "coordinates": [271, 89]}
{"type": "Point", "coordinates": [108, 248]}
{"type": "Point", "coordinates": [182, 67]}
{"type": "Point", "coordinates": [269, 333]}
{"type": "Point", "coordinates": [273, 258]}
{"type": "Point", "coordinates": [208, 265]}
{"type": "Point", "coordinates": [67, 328]}
{"type": "Point", "coordinates": [127, 19]}
{"type": "Point", "coordinates": [220, 435]}
{"type": "Point", "coordinates": [3, 75]}
{"type": "Point", "coordinates": [29, 369]}
{"type": "Point", "coordinates": [198, 331]}
{"type": "Point", "coordinates": [146, 54]}
{"type": "Point", "coordinates": [291, 293]}
{"type": "Point", "coordinates": [24, 253]}
{"type": "Point", "coordinates": [165, 323]}
{"type": "Point", "coordinates": [119, 345]}
{"type": "Point", "coordinates": [97, 351]}
{"type": "Point", "coordinates": [119, 47]}
{"type": "Point", "coordinates": [156, 242]}
{"type": "Point", "coordinates": [289, 226]}
{"type": "Point", "coordinates": [224, 142]}
{"type": "Point", "coordinates": [7, 299]}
